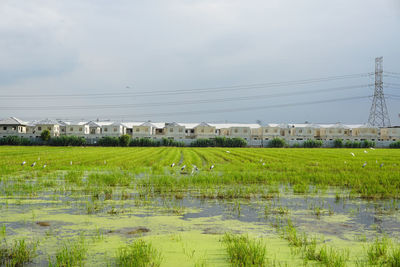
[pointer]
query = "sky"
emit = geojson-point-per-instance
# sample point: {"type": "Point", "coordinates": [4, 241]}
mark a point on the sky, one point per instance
{"type": "Point", "coordinates": [193, 61]}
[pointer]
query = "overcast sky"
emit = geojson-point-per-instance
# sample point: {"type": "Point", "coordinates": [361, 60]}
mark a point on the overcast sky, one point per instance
{"type": "Point", "coordinates": [93, 48]}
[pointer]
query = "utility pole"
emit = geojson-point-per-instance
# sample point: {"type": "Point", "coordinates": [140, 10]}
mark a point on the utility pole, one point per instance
{"type": "Point", "coordinates": [378, 115]}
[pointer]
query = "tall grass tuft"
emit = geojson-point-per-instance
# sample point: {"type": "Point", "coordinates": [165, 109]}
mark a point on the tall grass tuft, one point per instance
{"type": "Point", "coordinates": [18, 253]}
{"type": "Point", "coordinates": [138, 254]}
{"type": "Point", "coordinates": [71, 254]}
{"type": "Point", "coordinates": [243, 251]}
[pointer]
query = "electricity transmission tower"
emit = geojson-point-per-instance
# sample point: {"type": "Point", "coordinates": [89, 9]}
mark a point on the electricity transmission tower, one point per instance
{"type": "Point", "coordinates": [378, 115]}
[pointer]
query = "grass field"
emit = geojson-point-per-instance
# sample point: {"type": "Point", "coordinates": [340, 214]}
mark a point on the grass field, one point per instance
{"type": "Point", "coordinates": [227, 206]}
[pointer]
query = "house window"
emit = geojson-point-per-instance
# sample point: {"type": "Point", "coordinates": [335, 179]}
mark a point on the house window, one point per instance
{"type": "Point", "coordinates": [13, 128]}
{"type": "Point", "coordinates": [71, 129]}
{"type": "Point", "coordinates": [236, 131]}
{"type": "Point", "coordinates": [266, 130]}
{"type": "Point", "coordinates": [180, 130]}
{"type": "Point", "coordinates": [92, 131]}
{"type": "Point", "coordinates": [39, 128]}
{"type": "Point", "coordinates": [80, 129]}
{"type": "Point", "coordinates": [115, 129]}
{"type": "Point", "coordinates": [202, 130]}
{"type": "Point", "coordinates": [137, 130]}
{"type": "Point", "coordinates": [4, 128]}
{"type": "Point", "coordinates": [211, 130]}
{"type": "Point", "coordinates": [276, 130]}
{"type": "Point", "coordinates": [106, 129]}
{"type": "Point", "coordinates": [49, 128]}
{"type": "Point", "coordinates": [171, 130]}
{"type": "Point", "coordinates": [300, 131]}
{"type": "Point", "coordinates": [62, 130]}
{"type": "Point", "coordinates": [309, 131]}
{"type": "Point", "coordinates": [245, 130]}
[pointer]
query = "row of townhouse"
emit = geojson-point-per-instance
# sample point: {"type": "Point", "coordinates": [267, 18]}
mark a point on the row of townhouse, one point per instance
{"type": "Point", "coordinates": [184, 131]}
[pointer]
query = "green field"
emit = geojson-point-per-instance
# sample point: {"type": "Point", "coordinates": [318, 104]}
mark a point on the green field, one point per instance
{"type": "Point", "coordinates": [262, 207]}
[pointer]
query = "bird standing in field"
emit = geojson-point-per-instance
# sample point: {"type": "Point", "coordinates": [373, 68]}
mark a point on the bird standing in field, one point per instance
{"type": "Point", "coordinates": [44, 166]}
{"type": "Point", "coordinates": [70, 163]}
{"type": "Point", "coordinates": [228, 151]}
{"type": "Point", "coordinates": [211, 167]}
{"type": "Point", "coordinates": [173, 164]}
{"type": "Point", "coordinates": [23, 163]}
{"type": "Point", "coordinates": [365, 164]}
{"type": "Point", "coordinates": [263, 164]}
{"type": "Point", "coordinates": [33, 164]}
{"type": "Point", "coordinates": [195, 168]}
{"type": "Point", "coordinates": [352, 154]}
{"type": "Point", "coordinates": [105, 162]}
{"type": "Point", "coordinates": [372, 148]}
{"type": "Point", "coordinates": [365, 151]}
{"type": "Point", "coordinates": [381, 165]}
{"type": "Point", "coordinates": [183, 167]}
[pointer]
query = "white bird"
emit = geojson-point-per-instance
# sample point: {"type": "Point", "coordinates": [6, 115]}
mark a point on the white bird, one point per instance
{"type": "Point", "coordinates": [195, 168]}
{"type": "Point", "coordinates": [352, 154]}
{"type": "Point", "coordinates": [183, 167]}
{"type": "Point", "coordinates": [33, 164]}
{"type": "Point", "coordinates": [44, 166]}
{"type": "Point", "coordinates": [261, 160]}
{"type": "Point", "coordinates": [372, 148]}
{"type": "Point", "coordinates": [365, 151]}
{"type": "Point", "coordinates": [70, 163]}
{"type": "Point", "coordinates": [365, 164]}
{"type": "Point", "coordinates": [228, 151]}
{"type": "Point", "coordinates": [376, 161]}
{"type": "Point", "coordinates": [212, 167]}
{"type": "Point", "coordinates": [105, 162]}
{"type": "Point", "coordinates": [381, 165]}
{"type": "Point", "coordinates": [263, 163]}
{"type": "Point", "coordinates": [38, 158]}
{"type": "Point", "coordinates": [173, 164]}
{"type": "Point", "coordinates": [23, 163]}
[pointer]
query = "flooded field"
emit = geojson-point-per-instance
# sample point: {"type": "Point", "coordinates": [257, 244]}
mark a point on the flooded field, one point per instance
{"type": "Point", "coordinates": [199, 207]}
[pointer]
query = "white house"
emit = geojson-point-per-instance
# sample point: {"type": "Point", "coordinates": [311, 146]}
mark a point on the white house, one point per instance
{"type": "Point", "coordinates": [12, 127]}
{"type": "Point", "coordinates": [174, 131]}
{"type": "Point", "coordinates": [52, 125]}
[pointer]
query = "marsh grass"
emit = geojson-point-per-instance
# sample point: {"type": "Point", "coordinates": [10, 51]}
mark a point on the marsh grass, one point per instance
{"type": "Point", "coordinates": [244, 251]}
{"type": "Point", "coordinates": [72, 253]}
{"type": "Point", "coordinates": [17, 253]}
{"type": "Point", "coordinates": [138, 254]}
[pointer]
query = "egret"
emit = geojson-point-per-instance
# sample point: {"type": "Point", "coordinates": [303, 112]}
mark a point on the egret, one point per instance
{"type": "Point", "coordinates": [352, 154]}
{"type": "Point", "coordinates": [23, 163]}
{"type": "Point", "coordinates": [365, 164]}
{"type": "Point", "coordinates": [372, 148]}
{"type": "Point", "coordinates": [263, 164]}
{"type": "Point", "coordinates": [183, 167]}
{"type": "Point", "coordinates": [365, 151]}
{"type": "Point", "coordinates": [195, 168]}
{"type": "Point", "coordinates": [212, 167]}
{"type": "Point", "coordinates": [33, 164]}
{"type": "Point", "coordinates": [44, 166]}
{"type": "Point", "coordinates": [70, 163]}
{"type": "Point", "coordinates": [38, 158]}
{"type": "Point", "coordinates": [173, 164]}
{"type": "Point", "coordinates": [381, 165]}
{"type": "Point", "coordinates": [376, 161]}
{"type": "Point", "coordinates": [105, 162]}
{"type": "Point", "coordinates": [228, 151]}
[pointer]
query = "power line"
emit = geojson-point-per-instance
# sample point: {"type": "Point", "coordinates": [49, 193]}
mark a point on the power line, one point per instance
{"type": "Point", "coordinates": [208, 111]}
{"type": "Point", "coordinates": [195, 91]}
{"type": "Point", "coordinates": [390, 72]}
{"type": "Point", "coordinates": [187, 102]}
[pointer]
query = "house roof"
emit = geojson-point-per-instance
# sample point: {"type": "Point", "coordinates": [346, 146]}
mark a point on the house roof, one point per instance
{"type": "Point", "coordinates": [47, 122]}
{"type": "Point", "coordinates": [203, 124]}
{"type": "Point", "coordinates": [172, 124]}
{"type": "Point", "coordinates": [229, 125]}
{"type": "Point", "coordinates": [12, 121]}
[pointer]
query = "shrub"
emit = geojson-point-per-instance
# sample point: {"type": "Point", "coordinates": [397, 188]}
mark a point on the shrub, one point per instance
{"type": "Point", "coordinates": [368, 144]}
{"type": "Point", "coordinates": [312, 143]}
{"type": "Point", "coordinates": [220, 142]}
{"type": "Point", "coordinates": [338, 143]}
{"type": "Point", "coordinates": [171, 142]}
{"type": "Point", "coordinates": [67, 141]}
{"type": "Point", "coordinates": [45, 135]}
{"type": "Point", "coordinates": [395, 145]}
{"type": "Point", "coordinates": [108, 141]}
{"type": "Point", "coordinates": [144, 142]}
{"type": "Point", "coordinates": [124, 140]}
{"type": "Point", "coordinates": [15, 141]}
{"type": "Point", "coordinates": [277, 142]}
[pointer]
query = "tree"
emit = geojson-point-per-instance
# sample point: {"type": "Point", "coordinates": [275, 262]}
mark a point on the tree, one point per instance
{"type": "Point", "coordinates": [124, 140]}
{"type": "Point", "coordinates": [45, 135]}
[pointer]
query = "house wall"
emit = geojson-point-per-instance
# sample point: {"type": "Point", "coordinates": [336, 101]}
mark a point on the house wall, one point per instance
{"type": "Point", "coordinates": [9, 130]}
{"type": "Point", "coordinates": [204, 132]}
{"type": "Point", "coordinates": [174, 132]}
